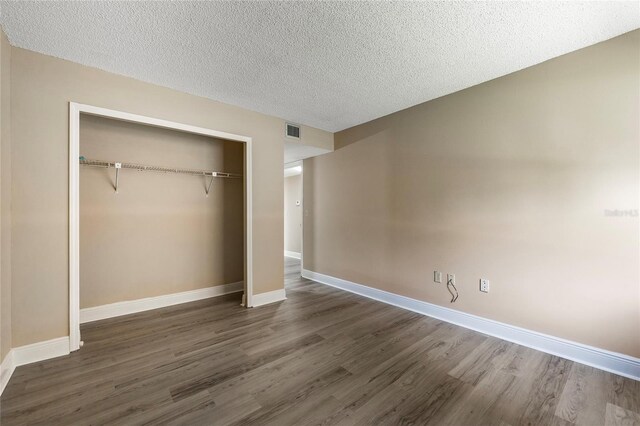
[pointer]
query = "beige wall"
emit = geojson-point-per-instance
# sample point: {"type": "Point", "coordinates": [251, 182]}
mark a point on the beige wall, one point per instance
{"type": "Point", "coordinates": [293, 213]}
{"type": "Point", "coordinates": [42, 88]}
{"type": "Point", "coordinates": [508, 180]}
{"type": "Point", "coordinates": [5, 196]}
{"type": "Point", "coordinates": [160, 234]}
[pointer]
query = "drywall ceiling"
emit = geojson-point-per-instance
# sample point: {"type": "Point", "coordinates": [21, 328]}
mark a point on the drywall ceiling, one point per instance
{"type": "Point", "coordinates": [294, 151]}
{"type": "Point", "coordinates": [330, 65]}
{"type": "Point", "coordinates": [292, 171]}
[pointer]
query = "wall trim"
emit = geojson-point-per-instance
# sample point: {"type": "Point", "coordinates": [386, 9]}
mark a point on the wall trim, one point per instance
{"type": "Point", "coordinates": [127, 307]}
{"type": "Point", "coordinates": [40, 351]}
{"type": "Point", "coordinates": [6, 370]}
{"type": "Point", "coordinates": [293, 254]}
{"type": "Point", "coordinates": [602, 359]}
{"type": "Point", "coordinates": [269, 297]}
{"type": "Point", "coordinates": [29, 354]}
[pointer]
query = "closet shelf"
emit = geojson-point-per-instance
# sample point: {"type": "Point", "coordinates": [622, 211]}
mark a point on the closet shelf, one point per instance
{"type": "Point", "coordinates": [160, 169]}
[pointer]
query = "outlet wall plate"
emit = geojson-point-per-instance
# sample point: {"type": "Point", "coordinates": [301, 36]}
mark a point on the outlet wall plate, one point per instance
{"type": "Point", "coordinates": [484, 285]}
{"type": "Point", "coordinates": [451, 278]}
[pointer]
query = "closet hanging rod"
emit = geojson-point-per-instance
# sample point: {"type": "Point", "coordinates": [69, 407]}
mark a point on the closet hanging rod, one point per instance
{"type": "Point", "coordinates": [141, 167]}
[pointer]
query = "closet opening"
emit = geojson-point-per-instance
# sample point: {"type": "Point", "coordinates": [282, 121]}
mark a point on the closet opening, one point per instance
{"type": "Point", "coordinates": [160, 214]}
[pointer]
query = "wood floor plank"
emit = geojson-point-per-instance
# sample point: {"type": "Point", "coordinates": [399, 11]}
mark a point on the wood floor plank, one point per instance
{"type": "Point", "coordinates": [489, 355]}
{"type": "Point", "coordinates": [300, 364]}
{"type": "Point", "coordinates": [237, 368]}
{"type": "Point", "coordinates": [618, 416]}
{"type": "Point", "coordinates": [323, 356]}
{"type": "Point", "coordinates": [290, 408]}
{"type": "Point", "coordinates": [624, 392]}
{"type": "Point", "coordinates": [545, 391]}
{"type": "Point", "coordinates": [170, 412]}
{"type": "Point", "coordinates": [584, 397]}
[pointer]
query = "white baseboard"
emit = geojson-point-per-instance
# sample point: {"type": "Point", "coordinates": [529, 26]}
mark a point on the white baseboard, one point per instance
{"type": "Point", "coordinates": [293, 254]}
{"type": "Point", "coordinates": [58, 347]}
{"type": "Point", "coordinates": [132, 306]}
{"type": "Point", "coordinates": [602, 359]}
{"type": "Point", "coordinates": [28, 354]}
{"type": "Point", "coordinates": [6, 370]}
{"type": "Point", "coordinates": [268, 297]}
{"type": "Point", "coordinates": [40, 351]}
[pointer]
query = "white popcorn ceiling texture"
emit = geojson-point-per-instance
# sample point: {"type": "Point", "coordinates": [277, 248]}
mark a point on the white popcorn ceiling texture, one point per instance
{"type": "Point", "coordinates": [330, 65]}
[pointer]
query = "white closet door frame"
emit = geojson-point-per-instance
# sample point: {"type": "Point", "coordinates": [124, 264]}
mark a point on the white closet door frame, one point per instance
{"type": "Point", "coordinates": [75, 109]}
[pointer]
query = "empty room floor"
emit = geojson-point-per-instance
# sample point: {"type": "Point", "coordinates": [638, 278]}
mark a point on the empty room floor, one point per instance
{"type": "Point", "coordinates": [323, 356]}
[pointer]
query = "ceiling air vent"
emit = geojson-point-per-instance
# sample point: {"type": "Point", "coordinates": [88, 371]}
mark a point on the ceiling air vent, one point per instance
{"type": "Point", "coordinates": [293, 131]}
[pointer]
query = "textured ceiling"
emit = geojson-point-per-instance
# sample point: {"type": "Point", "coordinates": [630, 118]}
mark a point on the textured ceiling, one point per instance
{"type": "Point", "coordinates": [330, 65]}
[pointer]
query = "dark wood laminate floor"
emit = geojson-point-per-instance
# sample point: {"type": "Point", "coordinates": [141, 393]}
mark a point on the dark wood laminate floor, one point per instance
{"type": "Point", "coordinates": [323, 356]}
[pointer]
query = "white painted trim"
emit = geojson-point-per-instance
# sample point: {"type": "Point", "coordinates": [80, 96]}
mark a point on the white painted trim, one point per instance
{"type": "Point", "coordinates": [157, 122]}
{"type": "Point", "coordinates": [6, 370]}
{"type": "Point", "coordinates": [248, 208]}
{"type": "Point", "coordinates": [293, 254]}
{"type": "Point", "coordinates": [41, 351]}
{"type": "Point", "coordinates": [302, 224]}
{"type": "Point", "coordinates": [74, 227]}
{"type": "Point", "coordinates": [269, 297]}
{"type": "Point", "coordinates": [613, 362]}
{"type": "Point", "coordinates": [29, 354]}
{"type": "Point", "coordinates": [75, 109]}
{"type": "Point", "coordinates": [140, 305]}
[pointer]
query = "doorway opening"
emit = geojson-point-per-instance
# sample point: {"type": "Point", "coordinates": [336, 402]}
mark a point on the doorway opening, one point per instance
{"type": "Point", "coordinates": [293, 218]}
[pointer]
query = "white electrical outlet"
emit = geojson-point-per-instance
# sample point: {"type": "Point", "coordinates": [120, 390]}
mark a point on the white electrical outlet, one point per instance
{"type": "Point", "coordinates": [484, 285]}
{"type": "Point", "coordinates": [437, 276]}
{"type": "Point", "coordinates": [451, 278]}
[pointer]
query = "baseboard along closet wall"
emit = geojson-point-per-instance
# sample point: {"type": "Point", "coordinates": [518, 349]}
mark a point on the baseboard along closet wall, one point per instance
{"type": "Point", "coordinates": [161, 234]}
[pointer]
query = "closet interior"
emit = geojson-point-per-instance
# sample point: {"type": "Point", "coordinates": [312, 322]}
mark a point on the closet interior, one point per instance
{"type": "Point", "coordinates": [161, 212]}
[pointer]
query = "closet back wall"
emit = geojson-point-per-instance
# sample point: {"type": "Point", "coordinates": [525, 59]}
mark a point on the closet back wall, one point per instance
{"type": "Point", "coordinates": [159, 234]}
